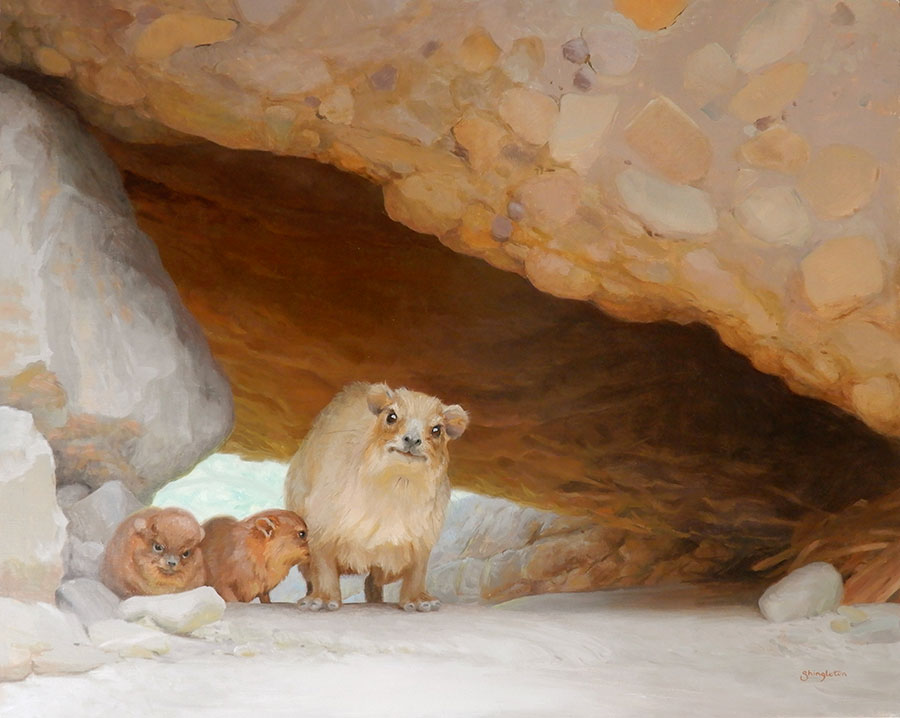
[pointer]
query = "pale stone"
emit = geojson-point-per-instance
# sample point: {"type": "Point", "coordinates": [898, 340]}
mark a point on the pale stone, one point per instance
{"type": "Point", "coordinates": [96, 517]}
{"type": "Point", "coordinates": [428, 202]}
{"type": "Point", "coordinates": [32, 526]}
{"type": "Point", "coordinates": [52, 62]}
{"type": "Point", "coordinates": [530, 114]}
{"type": "Point", "coordinates": [117, 85]}
{"type": "Point", "coordinates": [709, 73]}
{"type": "Point", "coordinates": [501, 228]}
{"type": "Point", "coordinates": [582, 124]}
{"type": "Point", "coordinates": [552, 198]}
{"type": "Point", "coordinates": [70, 494]}
{"type": "Point", "coordinates": [651, 14]}
{"type": "Point", "coordinates": [613, 49]}
{"type": "Point", "coordinates": [877, 401]}
{"type": "Point", "coordinates": [82, 558]}
{"type": "Point", "coordinates": [664, 135]}
{"type": "Point", "coordinates": [275, 73]}
{"type": "Point", "coordinates": [701, 269]}
{"type": "Point", "coordinates": [168, 34]}
{"type": "Point", "coordinates": [776, 149]}
{"type": "Point", "coordinates": [70, 659]}
{"type": "Point", "coordinates": [15, 662]}
{"type": "Point", "coordinates": [127, 369]}
{"type": "Point", "coordinates": [128, 640]}
{"type": "Point", "coordinates": [811, 590]}
{"type": "Point", "coordinates": [841, 274]}
{"type": "Point", "coordinates": [840, 625]}
{"type": "Point", "coordinates": [176, 612]}
{"type": "Point", "coordinates": [38, 626]}
{"type": "Point", "coordinates": [853, 614]}
{"type": "Point", "coordinates": [88, 599]}
{"type": "Point", "coordinates": [478, 52]}
{"type": "Point", "coordinates": [666, 208]}
{"type": "Point", "coordinates": [779, 29]}
{"type": "Point", "coordinates": [263, 12]}
{"type": "Point", "coordinates": [768, 93]}
{"type": "Point", "coordinates": [481, 139]}
{"type": "Point", "coordinates": [338, 107]}
{"type": "Point", "coordinates": [775, 215]}
{"type": "Point", "coordinates": [871, 349]}
{"type": "Point", "coordinates": [839, 180]}
{"type": "Point", "coordinates": [557, 275]}
{"type": "Point", "coordinates": [576, 50]}
{"type": "Point", "coordinates": [524, 60]}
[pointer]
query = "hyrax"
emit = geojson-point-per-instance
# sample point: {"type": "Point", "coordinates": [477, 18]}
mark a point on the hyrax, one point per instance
{"type": "Point", "coordinates": [370, 478]}
{"type": "Point", "coordinates": [154, 551]}
{"type": "Point", "coordinates": [247, 559]}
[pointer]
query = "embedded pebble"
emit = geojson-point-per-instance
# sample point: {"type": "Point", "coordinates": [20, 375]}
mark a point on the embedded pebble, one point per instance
{"type": "Point", "coordinates": [779, 29]}
{"type": "Point", "coordinates": [652, 16]}
{"type": "Point", "coordinates": [767, 94]}
{"type": "Point", "coordinates": [478, 52]}
{"type": "Point", "coordinates": [576, 50]}
{"type": "Point", "coordinates": [776, 149]}
{"type": "Point", "coordinates": [129, 640]}
{"type": "Point", "coordinates": [666, 208]}
{"type": "Point", "coordinates": [709, 73]}
{"type": "Point", "coordinates": [853, 614]}
{"type": "Point", "coordinates": [529, 113]}
{"type": "Point", "coordinates": [842, 273]}
{"type": "Point", "coordinates": [385, 78]}
{"type": "Point", "coordinates": [613, 50]}
{"type": "Point", "coordinates": [501, 228]}
{"type": "Point", "coordinates": [581, 127]}
{"type": "Point", "coordinates": [811, 590]}
{"type": "Point", "coordinates": [839, 180]}
{"type": "Point", "coordinates": [775, 215]}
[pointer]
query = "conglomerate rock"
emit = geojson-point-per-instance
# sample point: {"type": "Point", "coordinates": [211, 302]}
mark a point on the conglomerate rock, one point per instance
{"type": "Point", "coordinates": [732, 163]}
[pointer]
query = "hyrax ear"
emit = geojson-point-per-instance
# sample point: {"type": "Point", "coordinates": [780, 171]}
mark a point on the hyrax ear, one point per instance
{"type": "Point", "coordinates": [265, 526]}
{"type": "Point", "coordinates": [202, 534]}
{"type": "Point", "coordinates": [379, 396]}
{"type": "Point", "coordinates": [140, 526]}
{"type": "Point", "coordinates": [455, 420]}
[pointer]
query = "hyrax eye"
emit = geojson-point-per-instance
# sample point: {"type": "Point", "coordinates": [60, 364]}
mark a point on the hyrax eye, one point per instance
{"type": "Point", "coordinates": [158, 547]}
{"type": "Point", "coordinates": [301, 533]}
{"type": "Point", "coordinates": [186, 554]}
{"type": "Point", "coordinates": [436, 431]}
{"type": "Point", "coordinates": [391, 417]}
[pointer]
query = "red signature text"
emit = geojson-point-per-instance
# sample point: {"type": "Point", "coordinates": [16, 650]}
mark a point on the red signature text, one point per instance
{"type": "Point", "coordinates": [819, 676]}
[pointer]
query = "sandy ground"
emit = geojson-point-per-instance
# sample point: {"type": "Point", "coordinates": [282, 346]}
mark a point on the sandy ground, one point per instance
{"type": "Point", "coordinates": [673, 652]}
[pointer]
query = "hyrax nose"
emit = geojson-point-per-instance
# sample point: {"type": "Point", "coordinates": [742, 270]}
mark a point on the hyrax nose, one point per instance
{"type": "Point", "coordinates": [171, 561]}
{"type": "Point", "coordinates": [411, 440]}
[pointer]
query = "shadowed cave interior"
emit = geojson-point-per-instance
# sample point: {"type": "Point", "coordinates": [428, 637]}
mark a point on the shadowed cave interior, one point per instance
{"type": "Point", "coordinates": [698, 465]}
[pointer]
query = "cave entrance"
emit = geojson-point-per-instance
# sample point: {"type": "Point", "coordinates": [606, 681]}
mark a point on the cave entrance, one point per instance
{"type": "Point", "coordinates": [302, 284]}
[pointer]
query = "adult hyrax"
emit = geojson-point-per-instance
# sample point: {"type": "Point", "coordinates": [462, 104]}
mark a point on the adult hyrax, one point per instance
{"type": "Point", "coordinates": [247, 559]}
{"type": "Point", "coordinates": [154, 551]}
{"type": "Point", "coordinates": [371, 480]}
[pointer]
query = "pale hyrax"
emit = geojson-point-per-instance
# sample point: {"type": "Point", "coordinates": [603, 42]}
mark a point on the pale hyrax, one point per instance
{"type": "Point", "coordinates": [154, 551]}
{"type": "Point", "coordinates": [370, 478]}
{"type": "Point", "coordinates": [247, 559]}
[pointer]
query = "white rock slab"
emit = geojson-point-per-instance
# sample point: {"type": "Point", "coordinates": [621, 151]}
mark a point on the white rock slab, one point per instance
{"type": "Point", "coordinates": [176, 612]}
{"type": "Point", "coordinates": [667, 208]}
{"type": "Point", "coordinates": [96, 517]}
{"type": "Point", "coordinates": [38, 627]}
{"type": "Point", "coordinates": [70, 659]}
{"type": "Point", "coordinates": [83, 558]}
{"type": "Point", "coordinates": [129, 640]}
{"type": "Point", "coordinates": [15, 662]}
{"type": "Point", "coordinates": [811, 590]}
{"type": "Point", "coordinates": [90, 600]}
{"type": "Point", "coordinates": [93, 304]}
{"type": "Point", "coordinates": [32, 526]}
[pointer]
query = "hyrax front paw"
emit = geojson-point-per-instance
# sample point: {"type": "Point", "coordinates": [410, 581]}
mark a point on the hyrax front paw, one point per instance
{"type": "Point", "coordinates": [318, 603]}
{"type": "Point", "coordinates": [423, 604]}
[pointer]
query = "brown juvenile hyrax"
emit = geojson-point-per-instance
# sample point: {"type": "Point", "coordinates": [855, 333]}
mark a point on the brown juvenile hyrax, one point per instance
{"type": "Point", "coordinates": [247, 559]}
{"type": "Point", "coordinates": [371, 480]}
{"type": "Point", "coordinates": [154, 551]}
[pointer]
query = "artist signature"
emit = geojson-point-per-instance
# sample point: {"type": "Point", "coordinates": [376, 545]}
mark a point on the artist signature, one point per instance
{"type": "Point", "coordinates": [820, 676]}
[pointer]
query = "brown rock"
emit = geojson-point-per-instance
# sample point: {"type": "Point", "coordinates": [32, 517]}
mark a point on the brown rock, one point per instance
{"type": "Point", "coordinates": [842, 274]}
{"type": "Point", "coordinates": [529, 113]}
{"type": "Point", "coordinates": [482, 140]}
{"type": "Point", "coordinates": [651, 14]}
{"type": "Point", "coordinates": [776, 149]}
{"type": "Point", "coordinates": [839, 180]}
{"type": "Point", "coordinates": [670, 141]}
{"type": "Point", "coordinates": [767, 94]}
{"type": "Point", "coordinates": [478, 52]}
{"type": "Point", "coordinates": [117, 85]}
{"type": "Point", "coordinates": [170, 33]}
{"type": "Point", "coordinates": [877, 401]}
{"type": "Point", "coordinates": [52, 62]}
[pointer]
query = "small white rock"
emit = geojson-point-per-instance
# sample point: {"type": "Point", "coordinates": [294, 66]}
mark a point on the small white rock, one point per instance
{"type": "Point", "coordinates": [38, 626]}
{"type": "Point", "coordinates": [88, 599]}
{"type": "Point", "coordinates": [70, 659]}
{"type": "Point", "coordinates": [96, 517]}
{"type": "Point", "coordinates": [811, 590]}
{"type": "Point", "coordinates": [15, 663]}
{"type": "Point", "coordinates": [176, 612]}
{"type": "Point", "coordinates": [667, 208]}
{"type": "Point", "coordinates": [128, 639]}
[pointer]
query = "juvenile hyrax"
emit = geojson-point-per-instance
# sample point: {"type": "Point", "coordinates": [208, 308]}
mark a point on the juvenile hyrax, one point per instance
{"type": "Point", "coordinates": [371, 480]}
{"type": "Point", "coordinates": [247, 559]}
{"type": "Point", "coordinates": [154, 551]}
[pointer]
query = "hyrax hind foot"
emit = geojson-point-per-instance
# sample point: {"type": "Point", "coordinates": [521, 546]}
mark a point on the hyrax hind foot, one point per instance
{"type": "Point", "coordinates": [423, 604]}
{"type": "Point", "coordinates": [318, 603]}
